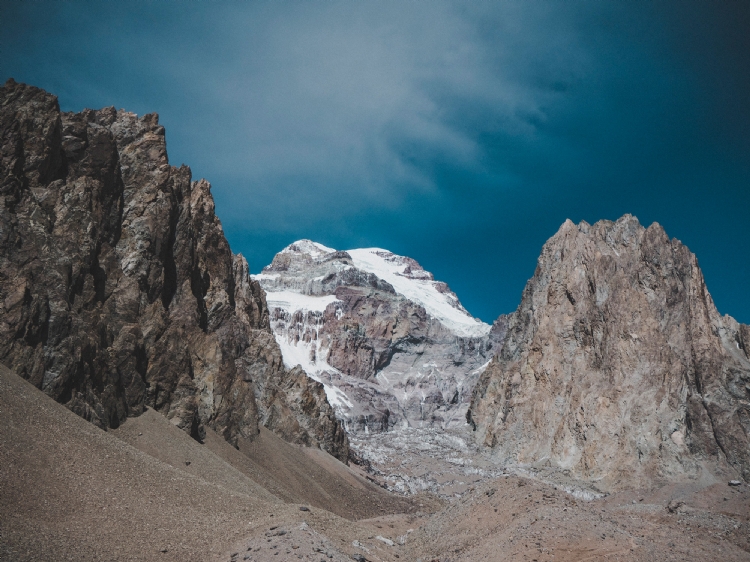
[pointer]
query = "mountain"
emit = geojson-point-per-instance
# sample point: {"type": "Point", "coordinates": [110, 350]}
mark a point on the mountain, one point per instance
{"type": "Point", "coordinates": [392, 346]}
{"type": "Point", "coordinates": [617, 366]}
{"type": "Point", "coordinates": [122, 304]}
{"type": "Point", "coordinates": [118, 289]}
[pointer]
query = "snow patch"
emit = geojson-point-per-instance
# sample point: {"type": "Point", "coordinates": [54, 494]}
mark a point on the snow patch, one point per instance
{"type": "Point", "coordinates": [260, 277]}
{"type": "Point", "coordinates": [313, 249]}
{"type": "Point", "coordinates": [299, 353]}
{"type": "Point", "coordinates": [441, 306]}
{"type": "Point", "coordinates": [481, 369]}
{"type": "Point", "coordinates": [292, 302]}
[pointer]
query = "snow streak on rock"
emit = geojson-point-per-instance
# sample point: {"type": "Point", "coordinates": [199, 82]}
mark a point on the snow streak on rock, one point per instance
{"type": "Point", "coordinates": [418, 285]}
{"type": "Point", "coordinates": [393, 347]}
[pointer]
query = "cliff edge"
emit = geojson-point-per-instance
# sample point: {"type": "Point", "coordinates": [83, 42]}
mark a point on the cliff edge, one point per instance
{"type": "Point", "coordinates": [118, 289]}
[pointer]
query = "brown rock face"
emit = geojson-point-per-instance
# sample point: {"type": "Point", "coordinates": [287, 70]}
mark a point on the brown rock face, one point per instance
{"type": "Point", "coordinates": [118, 289]}
{"type": "Point", "coordinates": [617, 365]}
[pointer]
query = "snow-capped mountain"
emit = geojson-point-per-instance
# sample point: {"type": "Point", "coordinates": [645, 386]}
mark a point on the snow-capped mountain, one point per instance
{"type": "Point", "coordinates": [392, 346]}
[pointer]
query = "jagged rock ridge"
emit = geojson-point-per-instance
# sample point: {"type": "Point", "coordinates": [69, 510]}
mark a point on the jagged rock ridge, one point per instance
{"type": "Point", "coordinates": [616, 365]}
{"type": "Point", "coordinates": [118, 290]}
{"type": "Point", "coordinates": [393, 347]}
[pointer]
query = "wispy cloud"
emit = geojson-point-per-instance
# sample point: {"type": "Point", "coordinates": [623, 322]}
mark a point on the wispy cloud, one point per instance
{"type": "Point", "coordinates": [462, 133]}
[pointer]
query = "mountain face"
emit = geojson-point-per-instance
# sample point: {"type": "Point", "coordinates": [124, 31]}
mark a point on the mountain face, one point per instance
{"type": "Point", "coordinates": [118, 290]}
{"type": "Point", "coordinates": [616, 365]}
{"type": "Point", "coordinates": [393, 347]}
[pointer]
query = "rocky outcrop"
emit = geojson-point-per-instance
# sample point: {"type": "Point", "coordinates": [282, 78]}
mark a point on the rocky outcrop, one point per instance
{"type": "Point", "coordinates": [616, 365]}
{"type": "Point", "coordinates": [393, 347]}
{"type": "Point", "coordinates": [118, 290]}
{"type": "Point", "coordinates": [295, 407]}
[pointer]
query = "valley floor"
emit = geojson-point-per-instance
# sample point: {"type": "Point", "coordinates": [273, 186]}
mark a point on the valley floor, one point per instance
{"type": "Point", "coordinates": [146, 491]}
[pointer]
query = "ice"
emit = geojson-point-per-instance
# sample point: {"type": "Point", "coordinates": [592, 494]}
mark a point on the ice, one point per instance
{"type": "Point", "coordinates": [291, 301]}
{"type": "Point", "coordinates": [294, 354]}
{"type": "Point", "coordinates": [441, 306]}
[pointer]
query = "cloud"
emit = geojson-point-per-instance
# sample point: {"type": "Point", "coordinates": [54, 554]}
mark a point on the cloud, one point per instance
{"type": "Point", "coordinates": [461, 133]}
{"type": "Point", "coordinates": [336, 107]}
{"type": "Point", "coordinates": [330, 107]}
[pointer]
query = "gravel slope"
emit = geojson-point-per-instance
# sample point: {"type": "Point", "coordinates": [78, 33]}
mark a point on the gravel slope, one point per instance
{"type": "Point", "coordinates": [513, 518]}
{"type": "Point", "coordinates": [70, 491]}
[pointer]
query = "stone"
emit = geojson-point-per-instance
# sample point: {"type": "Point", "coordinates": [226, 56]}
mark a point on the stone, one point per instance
{"type": "Point", "coordinates": [617, 366]}
{"type": "Point", "coordinates": [118, 289]}
{"type": "Point", "coordinates": [385, 540]}
{"type": "Point", "coordinates": [674, 505]}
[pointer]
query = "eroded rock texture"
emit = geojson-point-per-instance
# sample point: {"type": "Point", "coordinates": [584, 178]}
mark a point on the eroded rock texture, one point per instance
{"type": "Point", "coordinates": [617, 365]}
{"type": "Point", "coordinates": [118, 289]}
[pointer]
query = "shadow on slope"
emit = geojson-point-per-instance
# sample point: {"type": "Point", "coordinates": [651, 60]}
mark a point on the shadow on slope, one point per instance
{"type": "Point", "coordinates": [267, 467]}
{"type": "Point", "coordinates": [69, 490]}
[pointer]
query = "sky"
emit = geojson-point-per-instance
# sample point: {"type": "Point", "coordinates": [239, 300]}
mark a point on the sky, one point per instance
{"type": "Point", "coordinates": [461, 134]}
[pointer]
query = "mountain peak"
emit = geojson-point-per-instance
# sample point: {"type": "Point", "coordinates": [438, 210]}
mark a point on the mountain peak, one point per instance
{"type": "Point", "coordinates": [391, 346]}
{"type": "Point", "coordinates": [303, 259]}
{"type": "Point", "coordinates": [618, 331]}
{"type": "Point", "coordinates": [305, 246]}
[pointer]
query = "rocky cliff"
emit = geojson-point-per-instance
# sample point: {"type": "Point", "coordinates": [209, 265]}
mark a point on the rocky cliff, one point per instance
{"type": "Point", "coordinates": [393, 347]}
{"type": "Point", "coordinates": [616, 365]}
{"type": "Point", "coordinates": [118, 290]}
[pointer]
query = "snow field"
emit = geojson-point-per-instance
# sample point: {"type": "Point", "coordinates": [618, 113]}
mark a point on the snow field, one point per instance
{"type": "Point", "coordinates": [421, 291]}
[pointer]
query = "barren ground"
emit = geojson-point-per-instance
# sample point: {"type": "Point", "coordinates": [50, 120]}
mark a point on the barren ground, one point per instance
{"type": "Point", "coordinates": [69, 491]}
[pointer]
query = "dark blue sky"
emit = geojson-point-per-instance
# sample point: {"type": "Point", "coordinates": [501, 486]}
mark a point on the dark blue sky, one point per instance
{"type": "Point", "coordinates": [460, 134]}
